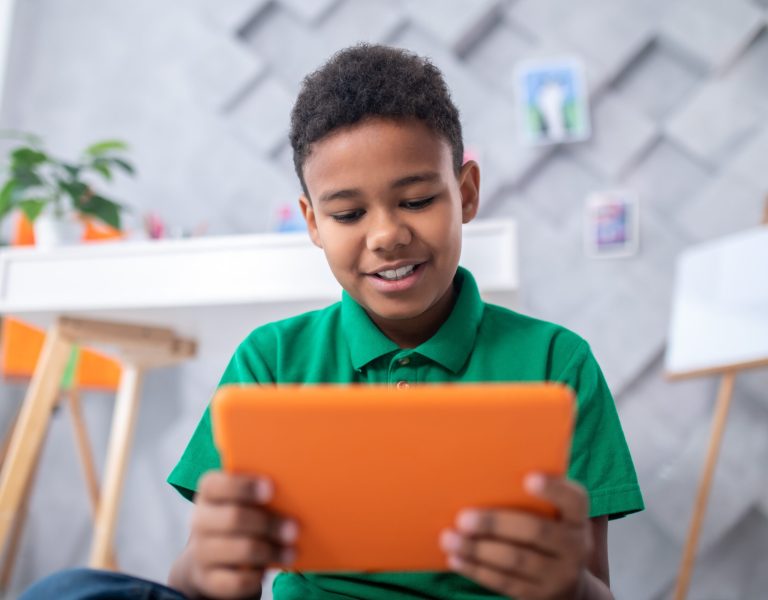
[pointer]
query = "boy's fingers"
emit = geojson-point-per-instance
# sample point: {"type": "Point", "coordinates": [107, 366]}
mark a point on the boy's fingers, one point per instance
{"type": "Point", "coordinates": [504, 582]}
{"type": "Point", "coordinates": [237, 551]}
{"type": "Point", "coordinates": [228, 583]}
{"type": "Point", "coordinates": [239, 519]}
{"type": "Point", "coordinates": [522, 560]}
{"type": "Point", "coordinates": [568, 496]}
{"type": "Point", "coordinates": [217, 486]}
{"type": "Point", "coordinates": [243, 551]}
{"type": "Point", "coordinates": [512, 526]}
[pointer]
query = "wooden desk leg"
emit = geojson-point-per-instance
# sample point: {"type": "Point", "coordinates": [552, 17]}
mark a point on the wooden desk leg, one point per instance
{"type": "Point", "coordinates": [7, 439]}
{"type": "Point", "coordinates": [86, 458]}
{"type": "Point", "coordinates": [18, 529]}
{"type": "Point", "coordinates": [84, 448]}
{"type": "Point", "coordinates": [28, 434]}
{"type": "Point", "coordinates": [123, 422]}
{"type": "Point", "coordinates": [718, 427]}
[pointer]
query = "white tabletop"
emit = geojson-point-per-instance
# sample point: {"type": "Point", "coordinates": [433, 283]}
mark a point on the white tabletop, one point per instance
{"type": "Point", "coordinates": [214, 289]}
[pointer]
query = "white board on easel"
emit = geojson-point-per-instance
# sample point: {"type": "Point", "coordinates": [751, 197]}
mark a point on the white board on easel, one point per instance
{"type": "Point", "coordinates": [720, 306]}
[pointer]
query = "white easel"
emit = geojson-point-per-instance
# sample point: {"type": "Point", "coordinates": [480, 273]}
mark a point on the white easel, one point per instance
{"type": "Point", "coordinates": [727, 372]}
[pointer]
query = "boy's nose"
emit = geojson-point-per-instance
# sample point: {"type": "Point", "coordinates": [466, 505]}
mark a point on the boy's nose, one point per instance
{"type": "Point", "coordinates": [387, 234]}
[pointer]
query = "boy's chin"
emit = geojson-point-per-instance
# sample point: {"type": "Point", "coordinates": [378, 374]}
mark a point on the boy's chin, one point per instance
{"type": "Point", "coordinates": [395, 311]}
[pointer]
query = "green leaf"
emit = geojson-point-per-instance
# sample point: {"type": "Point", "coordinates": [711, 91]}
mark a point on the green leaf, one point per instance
{"type": "Point", "coordinates": [32, 207]}
{"type": "Point", "coordinates": [24, 191]}
{"type": "Point", "coordinates": [7, 197]}
{"type": "Point", "coordinates": [25, 177]}
{"type": "Point", "coordinates": [103, 209]}
{"type": "Point", "coordinates": [72, 170]}
{"type": "Point", "coordinates": [123, 164]}
{"type": "Point", "coordinates": [105, 146]}
{"type": "Point", "coordinates": [103, 169]}
{"type": "Point", "coordinates": [27, 157]}
{"type": "Point", "coordinates": [76, 190]}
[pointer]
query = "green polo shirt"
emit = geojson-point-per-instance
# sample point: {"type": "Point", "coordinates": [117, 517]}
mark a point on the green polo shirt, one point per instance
{"type": "Point", "coordinates": [478, 342]}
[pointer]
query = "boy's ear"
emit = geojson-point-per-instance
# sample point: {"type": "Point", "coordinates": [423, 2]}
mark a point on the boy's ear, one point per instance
{"type": "Point", "coordinates": [469, 186]}
{"type": "Point", "coordinates": [309, 216]}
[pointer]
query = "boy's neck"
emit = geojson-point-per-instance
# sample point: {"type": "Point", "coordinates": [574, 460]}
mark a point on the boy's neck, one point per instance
{"type": "Point", "coordinates": [409, 333]}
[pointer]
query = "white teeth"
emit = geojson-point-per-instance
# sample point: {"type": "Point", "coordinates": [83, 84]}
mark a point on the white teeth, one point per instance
{"type": "Point", "coordinates": [395, 274]}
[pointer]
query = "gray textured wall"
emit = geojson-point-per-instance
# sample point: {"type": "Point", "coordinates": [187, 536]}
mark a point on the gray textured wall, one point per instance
{"type": "Point", "coordinates": [202, 90]}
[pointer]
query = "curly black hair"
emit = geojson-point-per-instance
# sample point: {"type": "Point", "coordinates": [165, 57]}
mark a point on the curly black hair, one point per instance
{"type": "Point", "coordinates": [369, 80]}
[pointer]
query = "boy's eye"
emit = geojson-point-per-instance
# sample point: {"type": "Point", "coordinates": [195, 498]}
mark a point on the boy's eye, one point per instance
{"type": "Point", "coordinates": [417, 204]}
{"type": "Point", "coordinates": [349, 216]}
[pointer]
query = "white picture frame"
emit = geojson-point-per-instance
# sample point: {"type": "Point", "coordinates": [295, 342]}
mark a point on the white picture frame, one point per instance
{"type": "Point", "coordinates": [552, 101]}
{"type": "Point", "coordinates": [611, 224]}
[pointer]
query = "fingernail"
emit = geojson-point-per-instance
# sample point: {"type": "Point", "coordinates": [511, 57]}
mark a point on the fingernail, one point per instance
{"type": "Point", "coordinates": [468, 520]}
{"type": "Point", "coordinates": [534, 483]}
{"type": "Point", "coordinates": [450, 540]}
{"type": "Point", "coordinates": [287, 557]}
{"type": "Point", "coordinates": [263, 490]}
{"type": "Point", "coordinates": [455, 563]}
{"type": "Point", "coordinates": [289, 531]}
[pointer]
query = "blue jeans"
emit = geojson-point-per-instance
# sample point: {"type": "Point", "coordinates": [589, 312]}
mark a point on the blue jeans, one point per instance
{"type": "Point", "coordinates": [89, 584]}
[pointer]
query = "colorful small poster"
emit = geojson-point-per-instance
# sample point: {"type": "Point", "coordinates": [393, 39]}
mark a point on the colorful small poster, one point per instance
{"type": "Point", "coordinates": [611, 224]}
{"type": "Point", "coordinates": [552, 101]}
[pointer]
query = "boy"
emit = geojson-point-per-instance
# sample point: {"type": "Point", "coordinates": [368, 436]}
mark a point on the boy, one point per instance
{"type": "Point", "coordinates": [378, 150]}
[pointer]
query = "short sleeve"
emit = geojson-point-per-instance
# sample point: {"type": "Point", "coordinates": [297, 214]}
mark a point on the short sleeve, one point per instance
{"type": "Point", "coordinates": [246, 366]}
{"type": "Point", "coordinates": [600, 458]}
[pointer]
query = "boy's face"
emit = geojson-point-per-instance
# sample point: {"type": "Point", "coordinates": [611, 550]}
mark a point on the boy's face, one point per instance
{"type": "Point", "coordinates": [387, 209]}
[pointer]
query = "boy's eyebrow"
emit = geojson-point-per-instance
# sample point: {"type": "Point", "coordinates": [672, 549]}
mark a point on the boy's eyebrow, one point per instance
{"type": "Point", "coordinates": [426, 177]}
{"type": "Point", "coordinates": [340, 195]}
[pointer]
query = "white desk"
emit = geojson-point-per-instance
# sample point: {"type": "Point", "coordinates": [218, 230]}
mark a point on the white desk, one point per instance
{"type": "Point", "coordinates": [213, 290]}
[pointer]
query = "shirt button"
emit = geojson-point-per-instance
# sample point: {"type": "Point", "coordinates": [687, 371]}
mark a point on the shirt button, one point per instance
{"type": "Point", "coordinates": [402, 385]}
{"type": "Point", "coordinates": [404, 361]}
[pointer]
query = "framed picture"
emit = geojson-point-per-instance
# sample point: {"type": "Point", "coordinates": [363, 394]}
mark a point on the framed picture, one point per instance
{"type": "Point", "coordinates": [552, 101]}
{"type": "Point", "coordinates": [611, 224]}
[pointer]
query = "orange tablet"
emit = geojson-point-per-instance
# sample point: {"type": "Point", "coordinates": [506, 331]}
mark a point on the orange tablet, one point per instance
{"type": "Point", "coordinates": [373, 474]}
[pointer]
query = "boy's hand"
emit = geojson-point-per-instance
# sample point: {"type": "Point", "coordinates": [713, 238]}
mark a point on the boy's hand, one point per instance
{"type": "Point", "coordinates": [234, 538]}
{"type": "Point", "coordinates": [524, 555]}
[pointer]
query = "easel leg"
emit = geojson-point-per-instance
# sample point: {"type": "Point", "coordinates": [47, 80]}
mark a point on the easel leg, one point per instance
{"type": "Point", "coordinates": [121, 435]}
{"type": "Point", "coordinates": [718, 427]}
{"type": "Point", "coordinates": [27, 437]}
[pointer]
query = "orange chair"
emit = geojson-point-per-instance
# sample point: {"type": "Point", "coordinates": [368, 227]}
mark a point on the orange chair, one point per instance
{"type": "Point", "coordinates": [20, 347]}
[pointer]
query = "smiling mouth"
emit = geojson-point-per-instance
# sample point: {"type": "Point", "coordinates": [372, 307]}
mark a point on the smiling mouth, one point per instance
{"type": "Point", "coordinates": [397, 274]}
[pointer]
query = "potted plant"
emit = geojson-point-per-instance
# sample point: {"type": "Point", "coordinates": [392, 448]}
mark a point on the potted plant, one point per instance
{"type": "Point", "coordinates": [56, 194]}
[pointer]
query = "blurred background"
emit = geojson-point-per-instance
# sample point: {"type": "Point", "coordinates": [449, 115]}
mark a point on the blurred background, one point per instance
{"type": "Point", "coordinates": [201, 91]}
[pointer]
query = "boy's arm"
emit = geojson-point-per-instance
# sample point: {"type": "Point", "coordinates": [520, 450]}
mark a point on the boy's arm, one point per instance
{"type": "Point", "coordinates": [596, 583]}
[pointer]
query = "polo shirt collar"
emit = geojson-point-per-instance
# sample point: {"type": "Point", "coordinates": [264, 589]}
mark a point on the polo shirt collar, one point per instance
{"type": "Point", "coordinates": [366, 341]}
{"type": "Point", "coordinates": [454, 341]}
{"type": "Point", "coordinates": [450, 346]}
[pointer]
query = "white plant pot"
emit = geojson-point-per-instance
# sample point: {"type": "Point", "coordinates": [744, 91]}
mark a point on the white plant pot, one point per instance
{"type": "Point", "coordinates": [52, 231]}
